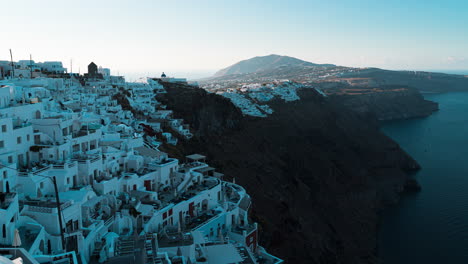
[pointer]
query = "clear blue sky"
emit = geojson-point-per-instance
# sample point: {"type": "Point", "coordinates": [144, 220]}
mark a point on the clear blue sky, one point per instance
{"type": "Point", "coordinates": [148, 36]}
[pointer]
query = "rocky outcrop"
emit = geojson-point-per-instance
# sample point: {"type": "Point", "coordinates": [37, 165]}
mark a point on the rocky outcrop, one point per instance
{"type": "Point", "coordinates": [317, 172]}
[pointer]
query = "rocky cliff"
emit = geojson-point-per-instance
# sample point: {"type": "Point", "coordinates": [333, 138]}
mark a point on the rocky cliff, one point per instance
{"type": "Point", "coordinates": [387, 102]}
{"type": "Point", "coordinates": [317, 172]}
{"type": "Point", "coordinates": [423, 81]}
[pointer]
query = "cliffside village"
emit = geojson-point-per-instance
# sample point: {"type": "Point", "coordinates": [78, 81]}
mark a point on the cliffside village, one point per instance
{"type": "Point", "coordinates": [83, 181]}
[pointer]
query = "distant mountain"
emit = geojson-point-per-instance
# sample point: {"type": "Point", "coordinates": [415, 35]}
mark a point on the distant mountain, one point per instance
{"type": "Point", "coordinates": [265, 63]}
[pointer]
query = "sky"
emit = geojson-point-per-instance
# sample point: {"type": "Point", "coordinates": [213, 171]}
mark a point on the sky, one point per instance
{"type": "Point", "coordinates": [195, 38]}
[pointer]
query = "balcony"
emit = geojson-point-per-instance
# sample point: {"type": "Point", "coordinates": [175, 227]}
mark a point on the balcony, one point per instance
{"type": "Point", "coordinates": [22, 125]}
{"type": "Point", "coordinates": [83, 133]}
{"type": "Point", "coordinates": [38, 169]}
{"type": "Point", "coordinates": [202, 220]}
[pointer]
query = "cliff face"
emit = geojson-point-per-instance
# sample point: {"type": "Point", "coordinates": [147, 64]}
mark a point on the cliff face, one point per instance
{"type": "Point", "coordinates": [388, 103]}
{"type": "Point", "coordinates": [423, 81]}
{"type": "Point", "coordinates": [317, 172]}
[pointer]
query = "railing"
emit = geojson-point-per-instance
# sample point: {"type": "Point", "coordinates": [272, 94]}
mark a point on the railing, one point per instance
{"type": "Point", "coordinates": [95, 159]}
{"type": "Point", "coordinates": [83, 133]}
{"type": "Point", "coordinates": [109, 221]}
{"type": "Point", "coordinates": [40, 209]}
{"type": "Point", "coordinates": [85, 159]}
{"type": "Point", "coordinates": [212, 218]}
{"type": "Point", "coordinates": [48, 207]}
{"type": "Point", "coordinates": [21, 125]}
{"type": "Point", "coordinates": [35, 172]}
{"type": "Point", "coordinates": [59, 166]}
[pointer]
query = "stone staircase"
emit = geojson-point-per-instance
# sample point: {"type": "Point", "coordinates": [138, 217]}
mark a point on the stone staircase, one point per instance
{"type": "Point", "coordinates": [125, 246]}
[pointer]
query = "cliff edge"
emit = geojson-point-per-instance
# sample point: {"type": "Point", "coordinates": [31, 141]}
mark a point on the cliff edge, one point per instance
{"type": "Point", "coordinates": [317, 173]}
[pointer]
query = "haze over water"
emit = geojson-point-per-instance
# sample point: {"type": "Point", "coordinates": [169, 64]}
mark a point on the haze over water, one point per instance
{"type": "Point", "coordinates": [432, 226]}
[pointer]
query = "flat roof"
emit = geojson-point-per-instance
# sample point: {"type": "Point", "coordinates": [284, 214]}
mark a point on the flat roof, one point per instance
{"type": "Point", "coordinates": [195, 157]}
{"type": "Point", "coordinates": [223, 254]}
{"type": "Point", "coordinates": [144, 151]}
{"type": "Point", "coordinates": [205, 169]}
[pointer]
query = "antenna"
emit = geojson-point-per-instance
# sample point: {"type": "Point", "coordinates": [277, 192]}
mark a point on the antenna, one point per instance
{"type": "Point", "coordinates": [71, 66]}
{"type": "Point", "coordinates": [30, 64]}
{"type": "Point", "coordinates": [12, 64]}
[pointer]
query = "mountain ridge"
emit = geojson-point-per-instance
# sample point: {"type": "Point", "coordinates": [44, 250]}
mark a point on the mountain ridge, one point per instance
{"type": "Point", "coordinates": [262, 63]}
{"type": "Point", "coordinates": [288, 68]}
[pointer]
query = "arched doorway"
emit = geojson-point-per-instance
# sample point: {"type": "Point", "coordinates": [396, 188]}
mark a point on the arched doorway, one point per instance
{"type": "Point", "coordinates": [7, 187]}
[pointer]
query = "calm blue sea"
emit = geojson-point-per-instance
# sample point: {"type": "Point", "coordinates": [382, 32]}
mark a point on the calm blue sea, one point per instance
{"type": "Point", "coordinates": [432, 226]}
{"type": "Point", "coordinates": [461, 72]}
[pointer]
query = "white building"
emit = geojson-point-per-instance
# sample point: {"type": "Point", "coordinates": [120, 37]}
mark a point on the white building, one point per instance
{"type": "Point", "coordinates": [114, 186]}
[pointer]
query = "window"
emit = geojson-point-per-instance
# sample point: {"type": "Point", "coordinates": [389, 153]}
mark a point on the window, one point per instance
{"type": "Point", "coordinates": [18, 140]}
{"type": "Point", "coordinates": [92, 144]}
{"type": "Point", "coordinates": [76, 147]}
{"type": "Point", "coordinates": [10, 159]}
{"type": "Point", "coordinates": [5, 174]}
{"type": "Point", "coordinates": [68, 180]}
{"type": "Point", "coordinates": [3, 128]}
{"type": "Point", "coordinates": [2, 144]}
{"type": "Point", "coordinates": [28, 137]}
{"type": "Point", "coordinates": [41, 185]}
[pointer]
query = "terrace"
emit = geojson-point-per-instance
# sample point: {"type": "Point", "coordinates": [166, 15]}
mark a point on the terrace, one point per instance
{"type": "Point", "coordinates": [247, 228]}
{"type": "Point", "coordinates": [85, 158]}
{"type": "Point", "coordinates": [37, 169]}
{"type": "Point", "coordinates": [41, 168]}
{"type": "Point", "coordinates": [202, 220]}
{"type": "Point", "coordinates": [175, 240]}
{"type": "Point", "coordinates": [169, 196]}
{"type": "Point", "coordinates": [21, 125]}
{"type": "Point", "coordinates": [86, 130]}
{"type": "Point", "coordinates": [28, 235]}
{"type": "Point", "coordinates": [196, 165]}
